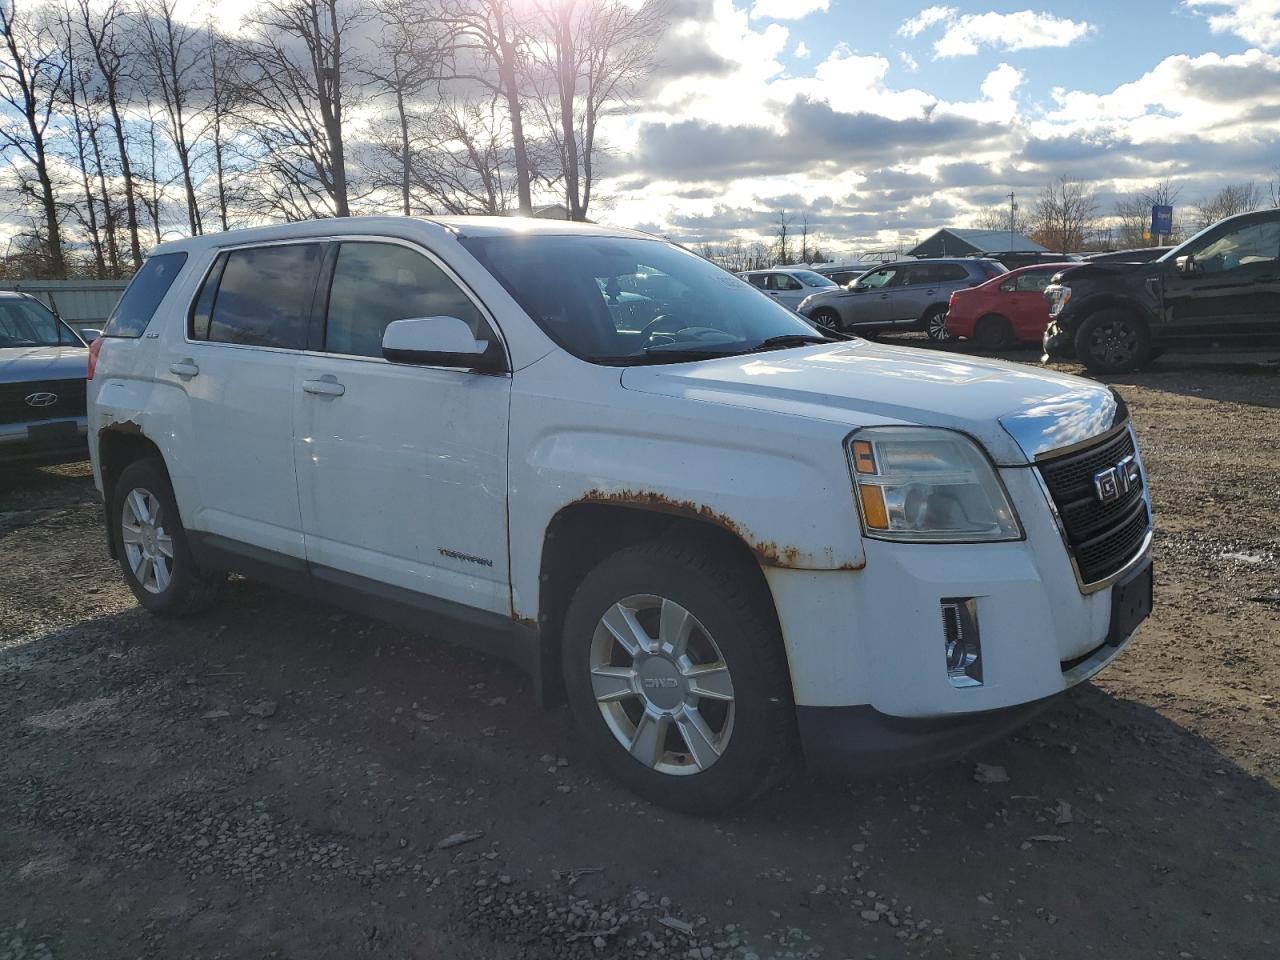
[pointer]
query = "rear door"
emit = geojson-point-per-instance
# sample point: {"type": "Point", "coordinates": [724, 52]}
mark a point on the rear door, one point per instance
{"type": "Point", "coordinates": [786, 289]}
{"type": "Point", "coordinates": [1028, 310]}
{"type": "Point", "coordinates": [402, 469]}
{"type": "Point", "coordinates": [245, 333]}
{"type": "Point", "coordinates": [1232, 301]}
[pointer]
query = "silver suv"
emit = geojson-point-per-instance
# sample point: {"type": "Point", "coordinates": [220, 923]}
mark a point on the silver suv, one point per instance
{"type": "Point", "coordinates": [907, 295]}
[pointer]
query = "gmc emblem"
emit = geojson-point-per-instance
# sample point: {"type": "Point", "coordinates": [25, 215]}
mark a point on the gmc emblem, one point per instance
{"type": "Point", "coordinates": [1114, 482]}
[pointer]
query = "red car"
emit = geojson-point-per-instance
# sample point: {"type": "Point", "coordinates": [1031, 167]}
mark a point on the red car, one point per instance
{"type": "Point", "coordinates": [1006, 309]}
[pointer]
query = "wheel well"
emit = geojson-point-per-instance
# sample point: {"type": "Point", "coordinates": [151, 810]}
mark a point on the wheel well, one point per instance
{"type": "Point", "coordinates": [582, 535]}
{"type": "Point", "coordinates": [117, 448]}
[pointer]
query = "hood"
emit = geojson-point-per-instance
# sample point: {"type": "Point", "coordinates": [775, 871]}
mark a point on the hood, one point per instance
{"type": "Point", "coordinates": [22, 364]}
{"type": "Point", "coordinates": [1014, 410]}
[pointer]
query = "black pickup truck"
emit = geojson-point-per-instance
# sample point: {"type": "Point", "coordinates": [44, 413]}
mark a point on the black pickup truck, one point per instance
{"type": "Point", "coordinates": [1217, 293]}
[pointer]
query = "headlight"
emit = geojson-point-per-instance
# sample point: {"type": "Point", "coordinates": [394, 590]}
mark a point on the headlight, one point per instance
{"type": "Point", "coordinates": [805, 302]}
{"type": "Point", "coordinates": [925, 484]}
{"type": "Point", "coordinates": [1058, 295]}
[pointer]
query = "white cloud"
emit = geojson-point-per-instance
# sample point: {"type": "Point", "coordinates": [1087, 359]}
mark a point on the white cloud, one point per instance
{"type": "Point", "coordinates": [1254, 21]}
{"type": "Point", "coordinates": [908, 61]}
{"type": "Point", "coordinates": [925, 19]}
{"type": "Point", "coordinates": [801, 51]}
{"type": "Point", "coordinates": [965, 34]}
{"type": "Point", "coordinates": [787, 9]}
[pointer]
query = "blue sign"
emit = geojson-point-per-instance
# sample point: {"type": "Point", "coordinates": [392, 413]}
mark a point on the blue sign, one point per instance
{"type": "Point", "coordinates": [1161, 220]}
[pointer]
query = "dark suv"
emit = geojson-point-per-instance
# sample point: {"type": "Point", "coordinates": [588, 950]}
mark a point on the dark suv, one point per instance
{"type": "Point", "coordinates": [1219, 292]}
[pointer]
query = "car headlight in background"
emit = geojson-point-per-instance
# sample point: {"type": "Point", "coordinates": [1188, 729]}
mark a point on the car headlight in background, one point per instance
{"type": "Point", "coordinates": [928, 485]}
{"type": "Point", "coordinates": [806, 302]}
{"type": "Point", "coordinates": [1058, 295]}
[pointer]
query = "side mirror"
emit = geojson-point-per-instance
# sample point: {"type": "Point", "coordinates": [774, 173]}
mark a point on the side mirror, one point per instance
{"type": "Point", "coordinates": [1187, 266]}
{"type": "Point", "coordinates": [90, 335]}
{"type": "Point", "coordinates": [441, 342]}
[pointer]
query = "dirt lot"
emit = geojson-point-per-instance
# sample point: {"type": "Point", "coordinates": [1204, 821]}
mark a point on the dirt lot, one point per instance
{"type": "Point", "coordinates": [277, 779]}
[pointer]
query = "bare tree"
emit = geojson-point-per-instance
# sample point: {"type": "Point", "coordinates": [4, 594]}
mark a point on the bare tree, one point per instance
{"type": "Point", "coordinates": [405, 62]}
{"type": "Point", "coordinates": [463, 158]}
{"type": "Point", "coordinates": [1064, 216]}
{"type": "Point", "coordinates": [173, 65]}
{"type": "Point", "coordinates": [488, 42]}
{"type": "Point", "coordinates": [1000, 217]}
{"type": "Point", "coordinates": [222, 103]}
{"type": "Point", "coordinates": [295, 74]}
{"type": "Point", "coordinates": [74, 105]}
{"type": "Point", "coordinates": [1227, 202]}
{"type": "Point", "coordinates": [782, 246]}
{"type": "Point", "coordinates": [590, 56]}
{"type": "Point", "coordinates": [100, 26]}
{"type": "Point", "coordinates": [32, 78]}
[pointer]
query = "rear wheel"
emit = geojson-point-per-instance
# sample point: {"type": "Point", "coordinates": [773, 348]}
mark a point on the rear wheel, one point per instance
{"type": "Point", "coordinates": [151, 544]}
{"type": "Point", "coordinates": [935, 324]}
{"type": "Point", "coordinates": [1113, 341]}
{"type": "Point", "coordinates": [826, 318]}
{"type": "Point", "coordinates": [994, 332]}
{"type": "Point", "coordinates": [676, 676]}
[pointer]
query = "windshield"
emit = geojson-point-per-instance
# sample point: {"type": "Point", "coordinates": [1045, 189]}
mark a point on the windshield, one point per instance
{"type": "Point", "coordinates": [621, 300]}
{"type": "Point", "coordinates": [811, 279]}
{"type": "Point", "coordinates": [29, 323]}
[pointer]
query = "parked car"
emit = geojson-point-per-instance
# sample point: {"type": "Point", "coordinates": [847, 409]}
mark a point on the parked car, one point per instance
{"type": "Point", "coordinates": [1139, 255]}
{"type": "Point", "coordinates": [788, 286]}
{"type": "Point", "coordinates": [845, 273]}
{"type": "Point", "coordinates": [1217, 293]}
{"type": "Point", "coordinates": [1015, 259]}
{"type": "Point", "coordinates": [1004, 311]}
{"type": "Point", "coordinates": [908, 294]}
{"type": "Point", "coordinates": [42, 385]}
{"type": "Point", "coordinates": [728, 542]}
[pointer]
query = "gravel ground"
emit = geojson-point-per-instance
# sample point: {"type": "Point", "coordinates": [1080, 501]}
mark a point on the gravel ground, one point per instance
{"type": "Point", "coordinates": [278, 779]}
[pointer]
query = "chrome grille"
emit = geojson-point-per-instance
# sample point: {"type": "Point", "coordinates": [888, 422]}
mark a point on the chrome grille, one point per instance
{"type": "Point", "coordinates": [1102, 537]}
{"type": "Point", "coordinates": [15, 409]}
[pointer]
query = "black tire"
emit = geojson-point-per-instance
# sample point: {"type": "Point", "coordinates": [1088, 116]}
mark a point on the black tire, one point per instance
{"type": "Point", "coordinates": [188, 588]}
{"type": "Point", "coordinates": [826, 317]}
{"type": "Point", "coordinates": [994, 332]}
{"type": "Point", "coordinates": [934, 324]}
{"type": "Point", "coordinates": [1113, 341]}
{"type": "Point", "coordinates": [724, 594]}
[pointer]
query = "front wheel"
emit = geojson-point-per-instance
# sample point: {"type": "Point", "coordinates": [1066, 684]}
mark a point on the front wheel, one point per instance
{"type": "Point", "coordinates": [935, 324]}
{"type": "Point", "coordinates": [827, 319]}
{"type": "Point", "coordinates": [151, 544]}
{"type": "Point", "coordinates": [677, 678]}
{"type": "Point", "coordinates": [1113, 341]}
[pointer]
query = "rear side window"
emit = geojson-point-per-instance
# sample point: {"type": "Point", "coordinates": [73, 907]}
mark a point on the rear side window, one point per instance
{"type": "Point", "coordinates": [143, 295]}
{"type": "Point", "coordinates": [1034, 281]}
{"type": "Point", "coordinates": [951, 272]}
{"type": "Point", "coordinates": [376, 283]}
{"type": "Point", "coordinates": [261, 298]}
{"type": "Point", "coordinates": [756, 279]}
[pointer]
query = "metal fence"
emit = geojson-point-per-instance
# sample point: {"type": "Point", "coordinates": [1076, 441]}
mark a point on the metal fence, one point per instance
{"type": "Point", "coordinates": [81, 303]}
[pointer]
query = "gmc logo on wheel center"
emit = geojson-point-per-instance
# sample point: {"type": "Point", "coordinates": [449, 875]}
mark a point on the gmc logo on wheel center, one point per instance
{"type": "Point", "coordinates": [1114, 482]}
{"type": "Point", "coordinates": [659, 683]}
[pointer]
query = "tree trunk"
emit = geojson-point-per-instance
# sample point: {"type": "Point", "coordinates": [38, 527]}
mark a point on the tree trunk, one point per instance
{"type": "Point", "coordinates": [568, 84]}
{"type": "Point", "coordinates": [404, 151]}
{"type": "Point", "coordinates": [126, 173]}
{"type": "Point", "coordinates": [511, 90]}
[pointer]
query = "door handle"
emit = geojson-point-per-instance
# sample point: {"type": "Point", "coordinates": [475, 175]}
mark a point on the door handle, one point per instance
{"type": "Point", "coordinates": [324, 387]}
{"type": "Point", "coordinates": [184, 368]}
{"type": "Point", "coordinates": [929, 293]}
{"type": "Point", "coordinates": [884, 296]}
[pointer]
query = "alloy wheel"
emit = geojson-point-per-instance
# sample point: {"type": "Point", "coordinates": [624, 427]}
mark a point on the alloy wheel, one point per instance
{"type": "Point", "coordinates": [147, 545]}
{"type": "Point", "coordinates": [662, 685]}
{"type": "Point", "coordinates": [936, 326]}
{"type": "Point", "coordinates": [1115, 342]}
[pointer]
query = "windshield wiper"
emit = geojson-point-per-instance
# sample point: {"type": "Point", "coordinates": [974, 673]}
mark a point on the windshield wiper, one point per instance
{"type": "Point", "coordinates": [789, 340]}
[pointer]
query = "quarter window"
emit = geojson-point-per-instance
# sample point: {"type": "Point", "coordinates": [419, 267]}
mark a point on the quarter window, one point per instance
{"type": "Point", "coordinates": [143, 295]}
{"type": "Point", "coordinates": [263, 297]}
{"type": "Point", "coordinates": [376, 283]}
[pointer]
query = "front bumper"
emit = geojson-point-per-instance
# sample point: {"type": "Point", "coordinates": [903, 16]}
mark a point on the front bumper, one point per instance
{"type": "Point", "coordinates": [1057, 343]}
{"type": "Point", "coordinates": [44, 442]}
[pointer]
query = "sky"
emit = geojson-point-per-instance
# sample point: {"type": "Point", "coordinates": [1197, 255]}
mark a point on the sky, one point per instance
{"type": "Point", "coordinates": [882, 121]}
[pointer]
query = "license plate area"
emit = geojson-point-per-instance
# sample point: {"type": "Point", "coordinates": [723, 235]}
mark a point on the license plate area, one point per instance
{"type": "Point", "coordinates": [51, 434]}
{"type": "Point", "coordinates": [1131, 601]}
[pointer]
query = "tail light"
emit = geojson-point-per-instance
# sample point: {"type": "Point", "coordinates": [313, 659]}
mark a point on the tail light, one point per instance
{"type": "Point", "coordinates": [95, 348]}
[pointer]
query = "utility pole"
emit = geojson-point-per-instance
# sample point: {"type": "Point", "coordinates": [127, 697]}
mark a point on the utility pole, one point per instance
{"type": "Point", "coordinates": [1013, 209]}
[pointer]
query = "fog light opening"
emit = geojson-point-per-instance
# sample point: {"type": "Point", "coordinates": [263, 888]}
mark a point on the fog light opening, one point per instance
{"type": "Point", "coordinates": [962, 644]}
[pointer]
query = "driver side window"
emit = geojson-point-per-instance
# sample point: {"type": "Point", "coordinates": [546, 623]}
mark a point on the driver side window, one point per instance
{"type": "Point", "coordinates": [880, 278]}
{"type": "Point", "coordinates": [1256, 243]}
{"type": "Point", "coordinates": [376, 283]}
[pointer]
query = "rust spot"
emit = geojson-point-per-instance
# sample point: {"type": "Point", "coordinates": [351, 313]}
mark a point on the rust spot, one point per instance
{"type": "Point", "coordinates": [524, 621]}
{"type": "Point", "coordinates": [123, 426]}
{"type": "Point", "coordinates": [768, 552]}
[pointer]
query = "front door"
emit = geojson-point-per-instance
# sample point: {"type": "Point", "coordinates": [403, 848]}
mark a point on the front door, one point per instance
{"type": "Point", "coordinates": [1231, 300]}
{"type": "Point", "coordinates": [402, 469]}
{"type": "Point", "coordinates": [786, 289]}
{"type": "Point", "coordinates": [236, 369]}
{"type": "Point", "coordinates": [869, 301]}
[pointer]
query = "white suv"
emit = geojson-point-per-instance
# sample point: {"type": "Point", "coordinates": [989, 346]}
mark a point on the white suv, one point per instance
{"type": "Point", "coordinates": [729, 542]}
